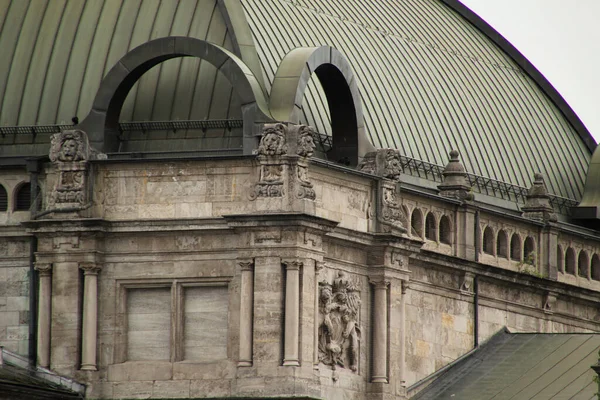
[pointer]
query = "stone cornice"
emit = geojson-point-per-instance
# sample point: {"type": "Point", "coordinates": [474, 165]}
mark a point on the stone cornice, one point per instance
{"type": "Point", "coordinates": [432, 259]}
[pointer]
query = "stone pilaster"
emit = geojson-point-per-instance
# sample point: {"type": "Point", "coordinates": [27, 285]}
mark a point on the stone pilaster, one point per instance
{"type": "Point", "coordinates": [379, 372]}
{"type": "Point", "coordinates": [90, 316]}
{"type": "Point", "coordinates": [402, 361]}
{"type": "Point", "coordinates": [44, 314]}
{"type": "Point", "coordinates": [319, 266]}
{"type": "Point", "coordinates": [292, 313]}
{"type": "Point", "coordinates": [246, 312]}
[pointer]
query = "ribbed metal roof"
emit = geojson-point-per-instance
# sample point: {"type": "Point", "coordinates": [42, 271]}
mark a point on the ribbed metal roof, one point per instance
{"type": "Point", "coordinates": [55, 54]}
{"type": "Point", "coordinates": [430, 82]}
{"type": "Point", "coordinates": [522, 366]}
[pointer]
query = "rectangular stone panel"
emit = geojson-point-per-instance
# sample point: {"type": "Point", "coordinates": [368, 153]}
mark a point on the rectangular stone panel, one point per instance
{"type": "Point", "coordinates": [149, 324]}
{"type": "Point", "coordinates": [205, 323]}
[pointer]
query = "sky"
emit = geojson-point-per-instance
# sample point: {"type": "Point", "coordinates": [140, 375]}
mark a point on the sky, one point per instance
{"type": "Point", "coordinates": [562, 39]}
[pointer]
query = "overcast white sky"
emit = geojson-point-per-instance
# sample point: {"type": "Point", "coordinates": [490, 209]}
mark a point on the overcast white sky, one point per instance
{"type": "Point", "coordinates": [562, 39]}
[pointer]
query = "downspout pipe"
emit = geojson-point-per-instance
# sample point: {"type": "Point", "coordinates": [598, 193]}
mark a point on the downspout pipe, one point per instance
{"type": "Point", "coordinates": [33, 168]}
{"type": "Point", "coordinates": [476, 283]}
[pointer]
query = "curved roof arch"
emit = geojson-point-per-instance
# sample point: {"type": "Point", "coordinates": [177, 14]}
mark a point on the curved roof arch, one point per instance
{"type": "Point", "coordinates": [101, 123]}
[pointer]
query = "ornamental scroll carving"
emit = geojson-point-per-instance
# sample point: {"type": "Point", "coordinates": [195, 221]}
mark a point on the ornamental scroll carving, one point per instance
{"type": "Point", "coordinates": [70, 152]}
{"type": "Point", "coordinates": [283, 154]}
{"type": "Point", "coordinates": [339, 330]}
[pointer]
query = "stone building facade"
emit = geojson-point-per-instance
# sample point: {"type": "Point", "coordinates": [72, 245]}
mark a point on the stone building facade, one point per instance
{"type": "Point", "coordinates": [285, 267]}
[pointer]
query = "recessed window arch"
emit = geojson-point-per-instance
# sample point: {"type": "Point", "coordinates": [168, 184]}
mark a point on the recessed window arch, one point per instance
{"type": "Point", "coordinates": [515, 247]}
{"type": "Point", "coordinates": [529, 250]}
{"type": "Point", "coordinates": [583, 264]}
{"type": "Point", "coordinates": [430, 227]}
{"type": "Point", "coordinates": [445, 230]}
{"type": "Point", "coordinates": [560, 259]}
{"type": "Point", "coordinates": [3, 199]}
{"type": "Point", "coordinates": [416, 223]}
{"type": "Point", "coordinates": [488, 240]}
{"type": "Point", "coordinates": [570, 263]}
{"type": "Point", "coordinates": [22, 198]}
{"type": "Point", "coordinates": [596, 267]}
{"type": "Point", "coordinates": [502, 244]}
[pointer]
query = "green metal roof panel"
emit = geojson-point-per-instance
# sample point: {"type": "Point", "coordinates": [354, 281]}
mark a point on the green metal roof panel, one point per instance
{"type": "Point", "coordinates": [430, 81]}
{"type": "Point", "coordinates": [522, 366]}
{"type": "Point", "coordinates": [55, 54]}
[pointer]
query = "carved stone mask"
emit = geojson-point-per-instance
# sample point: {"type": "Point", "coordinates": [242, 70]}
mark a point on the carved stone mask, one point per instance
{"type": "Point", "coordinates": [68, 150]}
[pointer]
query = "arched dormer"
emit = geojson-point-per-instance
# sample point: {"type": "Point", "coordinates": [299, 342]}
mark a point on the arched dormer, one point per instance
{"type": "Point", "coordinates": [502, 244]}
{"type": "Point", "coordinates": [515, 247]}
{"type": "Point", "coordinates": [488, 240]}
{"type": "Point", "coordinates": [445, 230]}
{"type": "Point", "coordinates": [430, 227]}
{"type": "Point", "coordinates": [416, 223]}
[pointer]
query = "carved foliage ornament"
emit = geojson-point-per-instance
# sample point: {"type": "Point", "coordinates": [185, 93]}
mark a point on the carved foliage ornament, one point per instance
{"type": "Point", "coordinates": [339, 331]}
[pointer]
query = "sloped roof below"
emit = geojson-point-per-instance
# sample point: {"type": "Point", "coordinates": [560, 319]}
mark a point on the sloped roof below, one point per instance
{"type": "Point", "coordinates": [430, 82]}
{"type": "Point", "coordinates": [522, 366]}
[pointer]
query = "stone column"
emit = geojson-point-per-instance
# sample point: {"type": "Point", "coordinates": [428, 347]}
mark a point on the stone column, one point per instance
{"type": "Point", "coordinates": [246, 308]}
{"type": "Point", "coordinates": [318, 268]}
{"type": "Point", "coordinates": [380, 331]}
{"type": "Point", "coordinates": [402, 371]}
{"type": "Point", "coordinates": [90, 316]}
{"type": "Point", "coordinates": [292, 313]}
{"type": "Point", "coordinates": [44, 314]}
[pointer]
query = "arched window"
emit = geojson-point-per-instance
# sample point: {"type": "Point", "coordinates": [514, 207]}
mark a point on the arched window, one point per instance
{"type": "Point", "coordinates": [488, 240]}
{"type": "Point", "coordinates": [570, 261]}
{"type": "Point", "coordinates": [515, 247]}
{"type": "Point", "coordinates": [22, 197]}
{"type": "Point", "coordinates": [502, 244]}
{"type": "Point", "coordinates": [416, 223]}
{"type": "Point", "coordinates": [445, 230]}
{"type": "Point", "coordinates": [3, 199]}
{"type": "Point", "coordinates": [560, 259]}
{"type": "Point", "coordinates": [596, 267]}
{"type": "Point", "coordinates": [529, 250]}
{"type": "Point", "coordinates": [583, 264]}
{"type": "Point", "coordinates": [430, 227]}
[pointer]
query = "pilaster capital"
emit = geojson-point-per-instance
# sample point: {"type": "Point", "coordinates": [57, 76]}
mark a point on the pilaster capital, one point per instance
{"type": "Point", "coordinates": [319, 266]}
{"type": "Point", "coordinates": [405, 286]}
{"type": "Point", "coordinates": [292, 265]}
{"type": "Point", "coordinates": [380, 283]}
{"type": "Point", "coordinates": [90, 268]}
{"type": "Point", "coordinates": [246, 264]}
{"type": "Point", "coordinates": [44, 269]}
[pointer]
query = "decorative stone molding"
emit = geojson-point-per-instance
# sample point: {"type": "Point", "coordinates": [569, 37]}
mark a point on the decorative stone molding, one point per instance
{"type": "Point", "coordinates": [90, 268]}
{"type": "Point", "coordinates": [339, 329]}
{"type": "Point", "coordinates": [70, 152]}
{"type": "Point", "coordinates": [466, 283]}
{"type": "Point", "coordinates": [549, 302]}
{"type": "Point", "coordinates": [283, 155]}
{"type": "Point", "coordinates": [386, 164]}
{"type": "Point", "coordinates": [455, 183]}
{"type": "Point", "coordinates": [537, 204]}
{"type": "Point", "coordinates": [383, 162]}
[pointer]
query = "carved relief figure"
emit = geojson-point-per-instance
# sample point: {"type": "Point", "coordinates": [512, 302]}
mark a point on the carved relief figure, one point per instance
{"type": "Point", "coordinates": [69, 146]}
{"type": "Point", "coordinates": [272, 142]}
{"type": "Point", "coordinates": [339, 332]}
{"type": "Point", "coordinates": [393, 166]}
{"type": "Point", "coordinates": [306, 143]}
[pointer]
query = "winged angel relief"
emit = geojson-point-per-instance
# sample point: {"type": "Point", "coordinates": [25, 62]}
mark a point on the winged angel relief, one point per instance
{"type": "Point", "coordinates": [339, 332]}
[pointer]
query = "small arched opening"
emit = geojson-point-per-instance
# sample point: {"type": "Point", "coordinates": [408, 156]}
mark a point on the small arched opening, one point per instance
{"type": "Point", "coordinates": [445, 230]}
{"type": "Point", "coordinates": [596, 267]}
{"type": "Point", "coordinates": [515, 247]}
{"type": "Point", "coordinates": [3, 199]}
{"type": "Point", "coordinates": [570, 263]}
{"type": "Point", "coordinates": [416, 223]}
{"type": "Point", "coordinates": [529, 250]}
{"type": "Point", "coordinates": [430, 227]}
{"type": "Point", "coordinates": [502, 244]}
{"type": "Point", "coordinates": [488, 240]}
{"type": "Point", "coordinates": [583, 264]}
{"type": "Point", "coordinates": [22, 197]}
{"type": "Point", "coordinates": [560, 259]}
